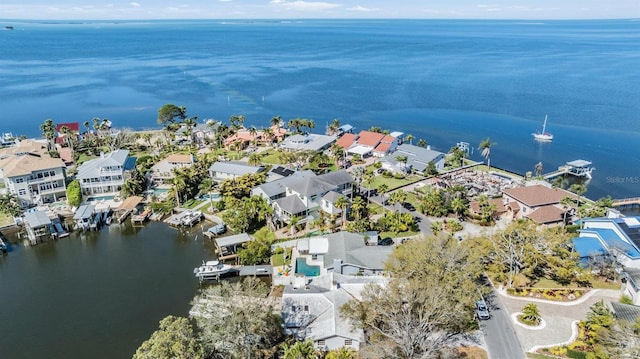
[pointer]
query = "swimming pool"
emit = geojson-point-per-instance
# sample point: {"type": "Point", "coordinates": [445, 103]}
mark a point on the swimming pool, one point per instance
{"type": "Point", "coordinates": [101, 198]}
{"type": "Point", "coordinates": [303, 268]}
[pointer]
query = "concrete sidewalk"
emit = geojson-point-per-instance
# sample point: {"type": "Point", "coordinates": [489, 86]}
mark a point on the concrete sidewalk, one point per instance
{"type": "Point", "coordinates": [560, 318]}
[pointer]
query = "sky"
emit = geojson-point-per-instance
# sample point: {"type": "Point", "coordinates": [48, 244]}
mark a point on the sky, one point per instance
{"type": "Point", "coordinates": [309, 9]}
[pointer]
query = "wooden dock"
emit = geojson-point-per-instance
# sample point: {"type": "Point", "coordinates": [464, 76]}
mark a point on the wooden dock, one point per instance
{"type": "Point", "coordinates": [626, 202]}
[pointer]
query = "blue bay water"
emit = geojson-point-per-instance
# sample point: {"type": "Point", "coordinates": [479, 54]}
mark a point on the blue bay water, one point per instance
{"type": "Point", "coordinates": [442, 81]}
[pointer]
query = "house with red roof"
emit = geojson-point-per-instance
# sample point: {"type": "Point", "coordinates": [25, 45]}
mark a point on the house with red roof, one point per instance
{"type": "Point", "coordinates": [368, 143]}
{"type": "Point", "coordinates": [74, 127]}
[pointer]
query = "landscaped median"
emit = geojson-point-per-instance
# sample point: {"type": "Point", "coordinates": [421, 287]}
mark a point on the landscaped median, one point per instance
{"type": "Point", "coordinates": [552, 294]}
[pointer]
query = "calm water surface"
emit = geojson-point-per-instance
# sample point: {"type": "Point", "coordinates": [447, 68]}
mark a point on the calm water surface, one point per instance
{"type": "Point", "coordinates": [95, 295]}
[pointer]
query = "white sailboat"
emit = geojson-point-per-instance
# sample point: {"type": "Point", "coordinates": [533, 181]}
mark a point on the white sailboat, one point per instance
{"type": "Point", "coordinates": [544, 135]}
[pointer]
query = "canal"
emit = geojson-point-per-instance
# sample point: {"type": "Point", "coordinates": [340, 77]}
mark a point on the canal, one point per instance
{"type": "Point", "coordinates": [97, 294]}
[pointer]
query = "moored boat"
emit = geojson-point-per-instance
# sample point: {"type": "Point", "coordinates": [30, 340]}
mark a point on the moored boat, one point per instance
{"type": "Point", "coordinates": [544, 135]}
{"type": "Point", "coordinates": [211, 270]}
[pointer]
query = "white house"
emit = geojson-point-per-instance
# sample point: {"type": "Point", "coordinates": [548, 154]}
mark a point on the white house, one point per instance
{"type": "Point", "coordinates": [162, 172]}
{"type": "Point", "coordinates": [106, 174]}
{"type": "Point", "coordinates": [617, 237]}
{"type": "Point", "coordinates": [304, 197]}
{"type": "Point", "coordinates": [31, 174]}
{"type": "Point", "coordinates": [418, 159]}
{"type": "Point", "coordinates": [221, 171]}
{"type": "Point", "coordinates": [312, 310]}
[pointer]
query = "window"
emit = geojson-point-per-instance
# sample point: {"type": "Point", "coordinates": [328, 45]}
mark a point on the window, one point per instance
{"type": "Point", "coordinates": [306, 308]}
{"type": "Point", "coordinates": [321, 343]}
{"type": "Point", "coordinates": [348, 342]}
{"type": "Point", "coordinates": [314, 257]}
{"type": "Point", "coordinates": [19, 180]}
{"type": "Point", "coordinates": [22, 192]}
{"type": "Point", "coordinates": [52, 173]}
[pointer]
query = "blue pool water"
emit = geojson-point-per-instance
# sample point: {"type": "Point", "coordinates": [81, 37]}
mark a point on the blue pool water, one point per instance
{"type": "Point", "coordinates": [100, 198]}
{"type": "Point", "coordinates": [303, 268]}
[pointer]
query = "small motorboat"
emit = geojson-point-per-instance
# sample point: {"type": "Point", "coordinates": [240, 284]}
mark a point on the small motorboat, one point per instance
{"type": "Point", "coordinates": [211, 270]}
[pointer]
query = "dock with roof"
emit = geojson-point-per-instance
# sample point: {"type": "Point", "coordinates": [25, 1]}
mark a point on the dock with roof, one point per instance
{"type": "Point", "coordinates": [578, 168]}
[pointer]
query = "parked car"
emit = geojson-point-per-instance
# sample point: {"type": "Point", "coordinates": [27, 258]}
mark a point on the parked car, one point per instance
{"type": "Point", "coordinates": [408, 206]}
{"type": "Point", "coordinates": [385, 241]}
{"type": "Point", "coordinates": [482, 311]}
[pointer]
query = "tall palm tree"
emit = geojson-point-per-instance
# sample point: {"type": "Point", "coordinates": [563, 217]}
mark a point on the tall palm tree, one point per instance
{"type": "Point", "coordinates": [342, 203]}
{"type": "Point", "coordinates": [403, 160]}
{"type": "Point", "coordinates": [337, 152]}
{"type": "Point", "coordinates": [459, 207]}
{"type": "Point", "coordinates": [207, 185]}
{"type": "Point", "coordinates": [276, 121]}
{"type": "Point", "coordinates": [485, 148]}
{"type": "Point", "coordinates": [409, 138]}
{"type": "Point", "coordinates": [383, 188]}
{"type": "Point", "coordinates": [49, 132]}
{"type": "Point", "coordinates": [422, 143]}
{"type": "Point", "coordinates": [334, 126]}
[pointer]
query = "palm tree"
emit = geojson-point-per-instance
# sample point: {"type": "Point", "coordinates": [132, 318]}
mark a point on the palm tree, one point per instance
{"type": "Point", "coordinates": [337, 152]}
{"type": "Point", "coordinates": [334, 126]}
{"type": "Point", "coordinates": [49, 132]}
{"type": "Point", "coordinates": [276, 121]}
{"type": "Point", "coordinates": [409, 138]}
{"type": "Point", "coordinates": [422, 143]}
{"type": "Point", "coordinates": [267, 135]}
{"type": "Point", "coordinates": [538, 169]}
{"type": "Point", "coordinates": [485, 147]}
{"type": "Point", "coordinates": [531, 313]}
{"type": "Point", "coordinates": [207, 185]}
{"type": "Point", "coordinates": [403, 160]}
{"type": "Point", "coordinates": [357, 207]}
{"type": "Point", "coordinates": [254, 159]}
{"type": "Point", "coordinates": [179, 183]}
{"type": "Point", "coordinates": [459, 207]}
{"type": "Point", "coordinates": [342, 203]}
{"type": "Point", "coordinates": [300, 350]}
{"type": "Point", "coordinates": [383, 188]}
{"type": "Point", "coordinates": [68, 136]}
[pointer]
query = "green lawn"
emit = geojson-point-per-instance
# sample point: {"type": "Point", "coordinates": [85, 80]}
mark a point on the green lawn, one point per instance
{"type": "Point", "coordinates": [392, 182]}
{"type": "Point", "coordinates": [192, 203]}
{"type": "Point", "coordinates": [6, 220]}
{"type": "Point", "coordinates": [278, 259]}
{"type": "Point", "coordinates": [270, 157]}
{"type": "Point", "coordinates": [375, 209]}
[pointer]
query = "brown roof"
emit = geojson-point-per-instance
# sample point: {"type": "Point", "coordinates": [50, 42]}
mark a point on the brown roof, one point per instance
{"type": "Point", "coordinates": [388, 139]}
{"type": "Point", "coordinates": [474, 207]}
{"type": "Point", "coordinates": [179, 158]}
{"type": "Point", "coordinates": [130, 203]}
{"type": "Point", "coordinates": [347, 140]}
{"type": "Point", "coordinates": [368, 138]}
{"type": "Point", "coordinates": [537, 195]}
{"type": "Point", "coordinates": [65, 155]}
{"type": "Point", "coordinates": [547, 214]}
{"type": "Point", "coordinates": [20, 165]}
{"type": "Point", "coordinates": [25, 146]}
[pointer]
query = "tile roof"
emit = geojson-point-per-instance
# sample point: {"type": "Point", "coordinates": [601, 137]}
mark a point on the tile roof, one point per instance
{"type": "Point", "coordinates": [371, 139]}
{"type": "Point", "coordinates": [537, 195]}
{"type": "Point", "coordinates": [347, 140]}
{"type": "Point", "coordinates": [73, 126]}
{"type": "Point", "coordinates": [383, 147]}
{"type": "Point", "coordinates": [547, 214]}
{"type": "Point", "coordinates": [179, 158]}
{"type": "Point", "coordinates": [21, 165]}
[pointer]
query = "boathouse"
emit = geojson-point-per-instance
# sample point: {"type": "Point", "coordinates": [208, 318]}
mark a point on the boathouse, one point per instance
{"type": "Point", "coordinates": [84, 216]}
{"type": "Point", "coordinates": [227, 247]}
{"type": "Point", "coordinates": [37, 225]}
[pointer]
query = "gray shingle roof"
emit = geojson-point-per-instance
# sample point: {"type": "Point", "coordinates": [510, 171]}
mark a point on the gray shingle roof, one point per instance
{"type": "Point", "coordinates": [417, 157]}
{"type": "Point", "coordinates": [292, 204]}
{"type": "Point", "coordinates": [37, 219]}
{"type": "Point", "coordinates": [233, 240]}
{"type": "Point", "coordinates": [337, 178]}
{"type": "Point", "coordinates": [91, 168]}
{"type": "Point", "coordinates": [280, 186]}
{"type": "Point", "coordinates": [310, 142]}
{"type": "Point", "coordinates": [626, 312]}
{"type": "Point", "coordinates": [234, 168]}
{"type": "Point", "coordinates": [311, 186]}
{"type": "Point", "coordinates": [350, 247]}
{"type": "Point", "coordinates": [332, 196]}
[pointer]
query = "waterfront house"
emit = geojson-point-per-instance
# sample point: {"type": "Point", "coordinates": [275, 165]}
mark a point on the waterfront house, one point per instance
{"type": "Point", "coordinates": [304, 196]}
{"type": "Point", "coordinates": [162, 173]}
{"type": "Point", "coordinates": [220, 171]}
{"type": "Point", "coordinates": [539, 203]}
{"type": "Point", "coordinates": [418, 159]}
{"type": "Point", "coordinates": [615, 237]}
{"type": "Point", "coordinates": [308, 142]}
{"type": "Point", "coordinates": [31, 174]}
{"type": "Point", "coordinates": [311, 309]}
{"type": "Point", "coordinates": [368, 143]}
{"type": "Point", "coordinates": [106, 174]}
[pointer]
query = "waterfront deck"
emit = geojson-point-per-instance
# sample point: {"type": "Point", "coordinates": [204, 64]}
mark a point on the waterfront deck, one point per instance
{"type": "Point", "coordinates": [578, 168]}
{"type": "Point", "coordinates": [626, 202]}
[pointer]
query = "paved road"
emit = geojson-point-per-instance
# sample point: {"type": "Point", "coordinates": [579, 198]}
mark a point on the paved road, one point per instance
{"type": "Point", "coordinates": [424, 224]}
{"type": "Point", "coordinates": [499, 334]}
